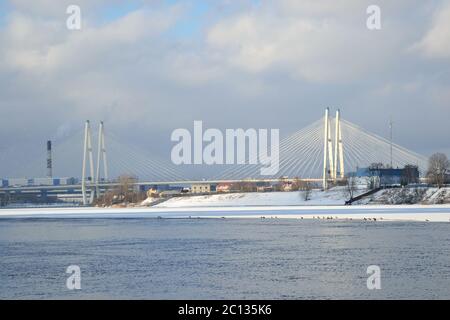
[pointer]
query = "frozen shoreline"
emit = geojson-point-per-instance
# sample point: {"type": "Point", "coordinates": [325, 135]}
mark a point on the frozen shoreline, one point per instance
{"type": "Point", "coordinates": [332, 197]}
{"type": "Point", "coordinates": [432, 213]}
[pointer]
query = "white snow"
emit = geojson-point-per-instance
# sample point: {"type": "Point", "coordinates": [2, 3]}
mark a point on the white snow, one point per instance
{"type": "Point", "coordinates": [409, 195]}
{"type": "Point", "coordinates": [437, 196]}
{"type": "Point", "coordinates": [436, 213]}
{"type": "Point", "coordinates": [335, 196]}
{"type": "Point", "coordinates": [149, 201]}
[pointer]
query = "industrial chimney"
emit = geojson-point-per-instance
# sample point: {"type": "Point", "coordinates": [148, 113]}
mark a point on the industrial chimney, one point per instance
{"type": "Point", "coordinates": [49, 159]}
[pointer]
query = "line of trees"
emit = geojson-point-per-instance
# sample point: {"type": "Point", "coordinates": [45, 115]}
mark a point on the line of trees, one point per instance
{"type": "Point", "coordinates": [124, 193]}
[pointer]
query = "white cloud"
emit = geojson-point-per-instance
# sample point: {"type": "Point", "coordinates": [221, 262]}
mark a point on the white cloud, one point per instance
{"type": "Point", "coordinates": [436, 43]}
{"type": "Point", "coordinates": [31, 43]}
{"type": "Point", "coordinates": [334, 46]}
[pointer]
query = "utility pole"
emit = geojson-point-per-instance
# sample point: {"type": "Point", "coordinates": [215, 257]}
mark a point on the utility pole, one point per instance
{"type": "Point", "coordinates": [390, 139]}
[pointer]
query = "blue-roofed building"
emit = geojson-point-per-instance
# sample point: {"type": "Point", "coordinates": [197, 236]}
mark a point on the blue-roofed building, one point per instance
{"type": "Point", "coordinates": [391, 176]}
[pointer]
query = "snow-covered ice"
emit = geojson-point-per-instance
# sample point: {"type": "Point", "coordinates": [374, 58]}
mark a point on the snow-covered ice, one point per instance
{"type": "Point", "coordinates": [438, 213]}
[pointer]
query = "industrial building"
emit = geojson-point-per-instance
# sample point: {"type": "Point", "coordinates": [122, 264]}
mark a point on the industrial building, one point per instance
{"type": "Point", "coordinates": [390, 176]}
{"type": "Point", "coordinates": [28, 182]}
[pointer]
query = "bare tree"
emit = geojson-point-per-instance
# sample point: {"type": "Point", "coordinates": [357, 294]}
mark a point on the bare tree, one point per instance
{"type": "Point", "coordinates": [124, 193]}
{"type": "Point", "coordinates": [306, 189]}
{"type": "Point", "coordinates": [296, 184]}
{"type": "Point", "coordinates": [106, 199]}
{"type": "Point", "coordinates": [438, 165]}
{"type": "Point", "coordinates": [373, 182]}
{"type": "Point", "coordinates": [245, 186]}
{"type": "Point", "coordinates": [125, 189]}
{"type": "Point", "coordinates": [350, 187]}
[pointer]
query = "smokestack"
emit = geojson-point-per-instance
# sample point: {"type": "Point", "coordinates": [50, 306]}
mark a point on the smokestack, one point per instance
{"type": "Point", "coordinates": [49, 159]}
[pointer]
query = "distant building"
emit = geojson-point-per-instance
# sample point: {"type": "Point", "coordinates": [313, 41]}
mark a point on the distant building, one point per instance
{"type": "Point", "coordinates": [224, 187]}
{"type": "Point", "coordinates": [264, 187]}
{"type": "Point", "coordinates": [201, 188]}
{"type": "Point", "coordinates": [169, 193]}
{"type": "Point", "coordinates": [185, 190]}
{"type": "Point", "coordinates": [286, 186]}
{"type": "Point", "coordinates": [390, 176]}
{"type": "Point", "coordinates": [23, 182]}
{"type": "Point", "coordinates": [362, 172]}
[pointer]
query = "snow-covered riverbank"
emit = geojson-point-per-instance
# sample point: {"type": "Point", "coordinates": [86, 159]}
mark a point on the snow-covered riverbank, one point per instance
{"type": "Point", "coordinates": [335, 196]}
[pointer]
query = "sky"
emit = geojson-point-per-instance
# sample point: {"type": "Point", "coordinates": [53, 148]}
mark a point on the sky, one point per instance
{"type": "Point", "coordinates": [149, 67]}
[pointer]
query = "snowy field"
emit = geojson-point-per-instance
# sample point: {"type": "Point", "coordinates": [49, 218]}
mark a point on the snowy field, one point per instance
{"type": "Point", "coordinates": [436, 213]}
{"type": "Point", "coordinates": [335, 196]}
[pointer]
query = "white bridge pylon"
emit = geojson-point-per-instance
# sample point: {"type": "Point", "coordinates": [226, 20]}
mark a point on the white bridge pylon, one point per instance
{"type": "Point", "coordinates": [87, 153]}
{"type": "Point", "coordinates": [327, 149]}
{"type": "Point", "coordinates": [332, 158]}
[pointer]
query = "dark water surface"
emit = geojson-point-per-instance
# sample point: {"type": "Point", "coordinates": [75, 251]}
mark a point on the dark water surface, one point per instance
{"type": "Point", "coordinates": [223, 258]}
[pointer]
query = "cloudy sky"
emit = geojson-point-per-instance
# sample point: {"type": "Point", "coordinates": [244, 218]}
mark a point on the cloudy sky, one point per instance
{"type": "Point", "coordinates": [149, 67]}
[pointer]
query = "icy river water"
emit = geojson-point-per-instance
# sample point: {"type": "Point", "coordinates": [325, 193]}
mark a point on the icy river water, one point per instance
{"type": "Point", "coordinates": [223, 258]}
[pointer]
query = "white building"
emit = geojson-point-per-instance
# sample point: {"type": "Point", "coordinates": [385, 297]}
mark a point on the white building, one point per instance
{"type": "Point", "coordinates": [201, 188]}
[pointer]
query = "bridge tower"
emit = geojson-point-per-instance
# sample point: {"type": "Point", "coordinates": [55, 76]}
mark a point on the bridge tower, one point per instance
{"type": "Point", "coordinates": [328, 164]}
{"type": "Point", "coordinates": [87, 152]}
{"type": "Point", "coordinates": [333, 160]}
{"type": "Point", "coordinates": [338, 149]}
{"type": "Point", "coordinates": [101, 154]}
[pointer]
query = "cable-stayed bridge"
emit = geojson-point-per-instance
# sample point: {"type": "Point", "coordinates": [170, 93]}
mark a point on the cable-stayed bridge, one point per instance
{"type": "Point", "coordinates": [323, 151]}
{"type": "Point", "coordinates": [302, 153]}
